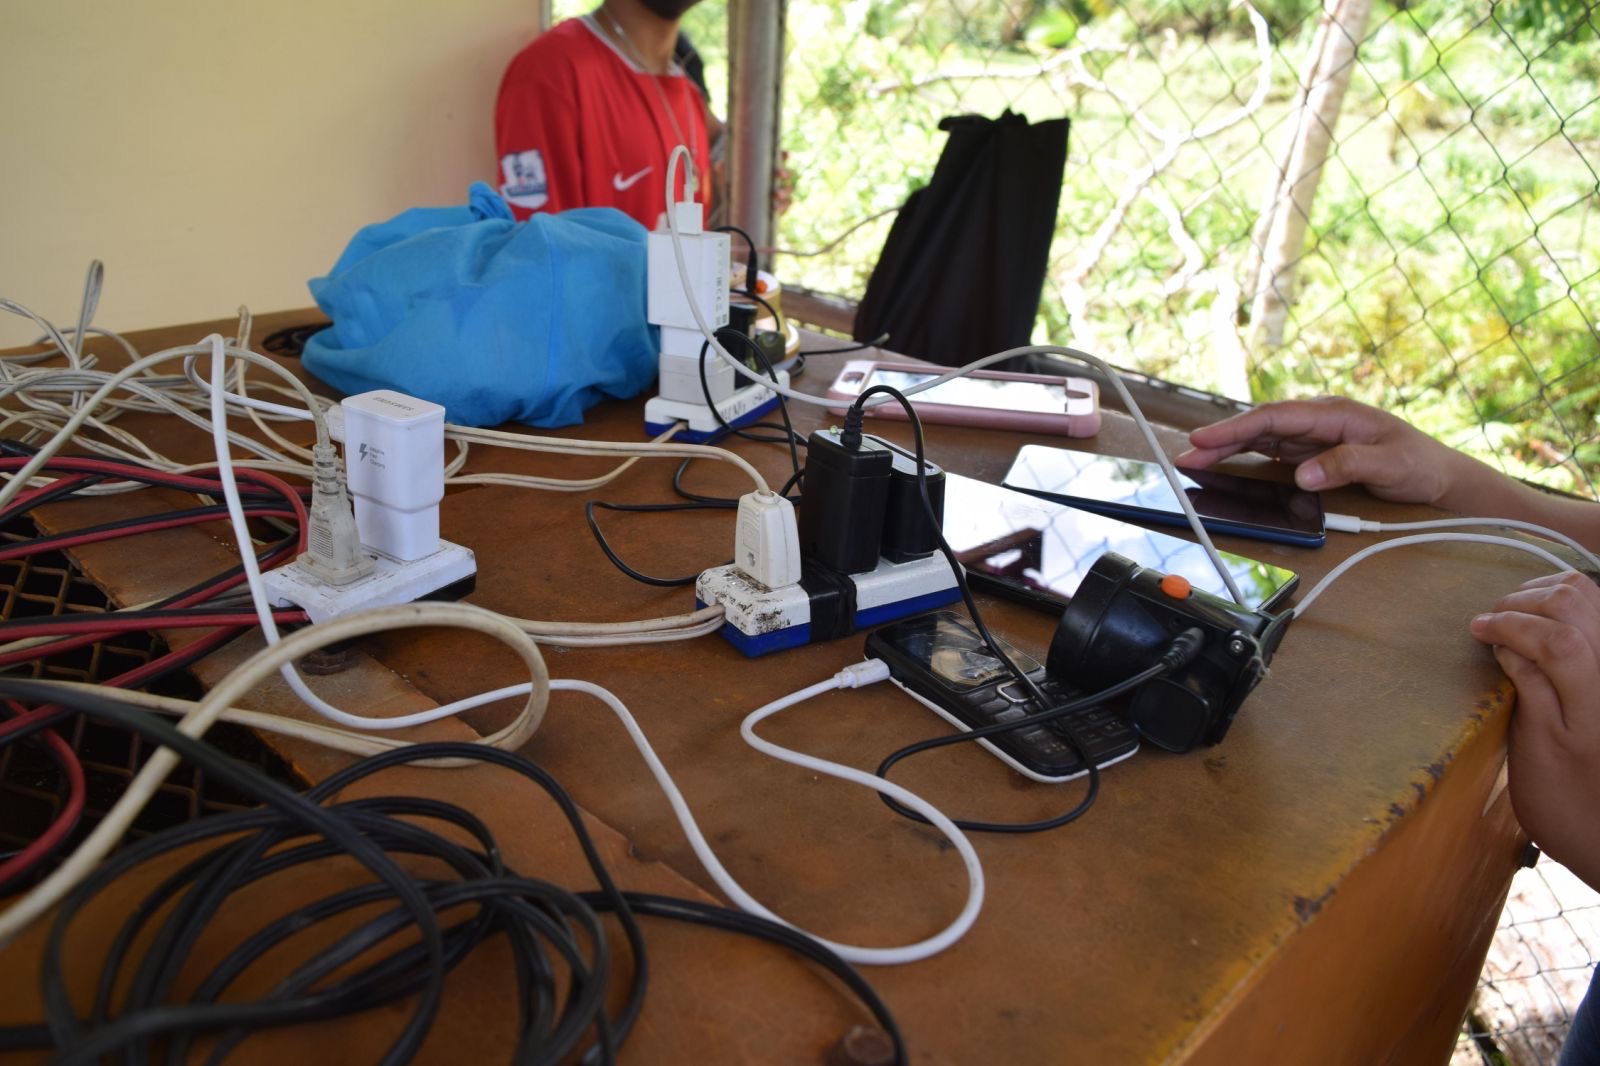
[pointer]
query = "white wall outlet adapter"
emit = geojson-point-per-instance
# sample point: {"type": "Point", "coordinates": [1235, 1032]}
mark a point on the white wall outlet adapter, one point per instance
{"type": "Point", "coordinates": [766, 545]}
{"type": "Point", "coordinates": [449, 572]}
{"type": "Point", "coordinates": [394, 464]}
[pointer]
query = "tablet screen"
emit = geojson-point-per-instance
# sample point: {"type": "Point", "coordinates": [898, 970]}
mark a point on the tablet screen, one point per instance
{"type": "Point", "coordinates": [1043, 549]}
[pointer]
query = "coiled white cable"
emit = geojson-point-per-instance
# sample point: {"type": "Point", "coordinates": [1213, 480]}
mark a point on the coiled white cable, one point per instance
{"type": "Point", "coordinates": [233, 688]}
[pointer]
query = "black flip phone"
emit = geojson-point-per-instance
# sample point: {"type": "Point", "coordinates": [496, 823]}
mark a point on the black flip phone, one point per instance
{"type": "Point", "coordinates": [942, 662]}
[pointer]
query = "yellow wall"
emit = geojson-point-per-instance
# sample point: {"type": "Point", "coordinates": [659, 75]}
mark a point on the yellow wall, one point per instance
{"type": "Point", "coordinates": [219, 153]}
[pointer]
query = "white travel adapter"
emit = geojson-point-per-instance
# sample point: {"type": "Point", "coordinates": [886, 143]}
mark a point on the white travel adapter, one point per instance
{"type": "Point", "coordinates": [705, 260]}
{"type": "Point", "coordinates": [766, 545]}
{"type": "Point", "coordinates": [394, 464]}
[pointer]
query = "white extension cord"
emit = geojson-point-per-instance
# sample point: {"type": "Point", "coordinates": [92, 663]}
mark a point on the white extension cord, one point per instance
{"type": "Point", "coordinates": [856, 675]}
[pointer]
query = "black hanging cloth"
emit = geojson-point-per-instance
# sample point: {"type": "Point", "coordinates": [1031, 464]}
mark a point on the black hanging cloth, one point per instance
{"type": "Point", "coordinates": [963, 267]}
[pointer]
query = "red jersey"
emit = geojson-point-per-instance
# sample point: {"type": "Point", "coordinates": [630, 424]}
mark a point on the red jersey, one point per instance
{"type": "Point", "coordinates": [578, 124]}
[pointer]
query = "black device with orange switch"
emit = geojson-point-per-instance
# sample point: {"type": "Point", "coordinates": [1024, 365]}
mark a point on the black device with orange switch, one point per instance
{"type": "Point", "coordinates": [1124, 617]}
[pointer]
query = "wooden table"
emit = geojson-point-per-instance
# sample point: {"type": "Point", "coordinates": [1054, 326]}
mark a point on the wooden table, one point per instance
{"type": "Point", "coordinates": [1321, 887]}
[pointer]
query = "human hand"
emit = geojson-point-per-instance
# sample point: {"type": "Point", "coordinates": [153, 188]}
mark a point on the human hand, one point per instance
{"type": "Point", "coordinates": [1335, 442]}
{"type": "Point", "coordinates": [1546, 637]}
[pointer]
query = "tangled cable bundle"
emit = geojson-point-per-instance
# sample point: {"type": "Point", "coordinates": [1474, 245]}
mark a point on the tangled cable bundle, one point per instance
{"type": "Point", "coordinates": [424, 924]}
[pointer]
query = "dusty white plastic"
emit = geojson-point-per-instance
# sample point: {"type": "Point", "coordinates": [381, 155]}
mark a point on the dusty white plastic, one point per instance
{"type": "Point", "coordinates": [766, 545]}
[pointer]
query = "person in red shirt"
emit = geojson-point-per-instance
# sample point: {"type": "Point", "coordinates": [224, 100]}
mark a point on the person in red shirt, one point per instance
{"type": "Point", "coordinates": [588, 114]}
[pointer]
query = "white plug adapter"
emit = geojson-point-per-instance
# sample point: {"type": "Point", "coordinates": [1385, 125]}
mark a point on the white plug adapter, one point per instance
{"type": "Point", "coordinates": [766, 546]}
{"type": "Point", "coordinates": [394, 465]}
{"type": "Point", "coordinates": [705, 260]}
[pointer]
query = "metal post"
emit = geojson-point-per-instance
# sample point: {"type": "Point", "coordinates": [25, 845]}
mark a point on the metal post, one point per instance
{"type": "Point", "coordinates": [755, 70]}
{"type": "Point", "coordinates": [546, 16]}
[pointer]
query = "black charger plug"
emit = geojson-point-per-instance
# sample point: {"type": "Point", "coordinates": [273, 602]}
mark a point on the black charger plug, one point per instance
{"type": "Point", "coordinates": [845, 495]}
{"type": "Point", "coordinates": [908, 531]}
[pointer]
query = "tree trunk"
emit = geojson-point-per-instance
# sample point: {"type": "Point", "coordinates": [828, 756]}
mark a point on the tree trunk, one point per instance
{"type": "Point", "coordinates": [1281, 229]}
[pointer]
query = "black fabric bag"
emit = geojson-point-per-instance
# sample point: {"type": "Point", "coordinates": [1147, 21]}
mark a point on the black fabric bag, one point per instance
{"type": "Point", "coordinates": [963, 267]}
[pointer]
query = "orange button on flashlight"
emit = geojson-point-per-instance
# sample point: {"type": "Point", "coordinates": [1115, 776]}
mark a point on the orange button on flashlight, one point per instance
{"type": "Point", "coordinates": [1176, 585]}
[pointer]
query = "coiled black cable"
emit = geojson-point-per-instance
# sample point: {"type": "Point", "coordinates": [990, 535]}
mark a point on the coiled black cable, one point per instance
{"type": "Point", "coordinates": [351, 972]}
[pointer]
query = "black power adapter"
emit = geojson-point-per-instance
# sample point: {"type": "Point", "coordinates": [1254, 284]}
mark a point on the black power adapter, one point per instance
{"type": "Point", "coordinates": [908, 531]}
{"type": "Point", "coordinates": [842, 504]}
{"type": "Point", "coordinates": [864, 502]}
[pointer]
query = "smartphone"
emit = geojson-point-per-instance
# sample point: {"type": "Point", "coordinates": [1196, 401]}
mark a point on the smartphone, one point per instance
{"type": "Point", "coordinates": [1136, 489]}
{"type": "Point", "coordinates": [1036, 552]}
{"type": "Point", "coordinates": [1035, 403]}
{"type": "Point", "coordinates": [944, 664]}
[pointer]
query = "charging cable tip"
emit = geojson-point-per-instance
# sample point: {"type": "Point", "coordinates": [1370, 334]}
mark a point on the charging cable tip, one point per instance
{"type": "Point", "coordinates": [1183, 649]}
{"type": "Point", "coordinates": [866, 672]}
{"type": "Point", "coordinates": [850, 435]}
{"type": "Point", "coordinates": [1346, 523]}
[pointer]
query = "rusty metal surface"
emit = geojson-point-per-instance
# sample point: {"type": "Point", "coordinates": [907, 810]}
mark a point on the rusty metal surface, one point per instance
{"type": "Point", "coordinates": [1179, 919]}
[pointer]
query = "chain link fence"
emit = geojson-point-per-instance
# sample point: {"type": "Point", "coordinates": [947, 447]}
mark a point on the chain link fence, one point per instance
{"type": "Point", "coordinates": [1538, 967]}
{"type": "Point", "coordinates": [1268, 200]}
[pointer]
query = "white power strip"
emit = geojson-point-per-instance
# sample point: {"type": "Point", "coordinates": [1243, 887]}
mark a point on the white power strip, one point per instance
{"type": "Point", "coordinates": [760, 620]}
{"type": "Point", "coordinates": [389, 583]}
{"type": "Point", "coordinates": [744, 406]}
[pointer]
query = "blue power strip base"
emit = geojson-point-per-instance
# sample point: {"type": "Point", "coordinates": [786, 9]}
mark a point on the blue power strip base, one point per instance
{"type": "Point", "coordinates": [690, 435]}
{"type": "Point", "coordinates": [761, 620]}
{"type": "Point", "coordinates": [699, 425]}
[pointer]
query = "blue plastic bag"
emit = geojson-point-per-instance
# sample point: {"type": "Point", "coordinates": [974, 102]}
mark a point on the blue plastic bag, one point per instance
{"type": "Point", "coordinates": [496, 320]}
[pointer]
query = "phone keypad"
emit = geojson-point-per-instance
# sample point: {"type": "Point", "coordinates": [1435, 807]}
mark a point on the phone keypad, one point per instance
{"type": "Point", "coordinates": [1100, 733]}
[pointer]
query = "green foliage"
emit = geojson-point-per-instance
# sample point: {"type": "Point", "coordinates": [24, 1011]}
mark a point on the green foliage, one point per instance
{"type": "Point", "coordinates": [1206, 17]}
{"type": "Point", "coordinates": [1541, 22]}
{"type": "Point", "coordinates": [1452, 264]}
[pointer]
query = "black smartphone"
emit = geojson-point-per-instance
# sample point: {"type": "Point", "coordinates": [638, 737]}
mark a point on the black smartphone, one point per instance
{"type": "Point", "coordinates": [942, 661]}
{"type": "Point", "coordinates": [1037, 552]}
{"type": "Point", "coordinates": [1139, 490]}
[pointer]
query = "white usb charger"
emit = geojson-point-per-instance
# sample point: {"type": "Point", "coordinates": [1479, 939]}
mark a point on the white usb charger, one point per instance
{"type": "Point", "coordinates": [705, 258]}
{"type": "Point", "coordinates": [394, 462]}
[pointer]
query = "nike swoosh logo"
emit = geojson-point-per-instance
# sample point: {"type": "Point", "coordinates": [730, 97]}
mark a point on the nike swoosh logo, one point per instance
{"type": "Point", "coordinates": [621, 184]}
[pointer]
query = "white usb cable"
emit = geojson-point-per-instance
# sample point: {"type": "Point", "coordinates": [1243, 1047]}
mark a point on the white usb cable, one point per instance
{"type": "Point", "coordinates": [1425, 538]}
{"type": "Point", "coordinates": [854, 676]}
{"type": "Point", "coordinates": [1344, 523]}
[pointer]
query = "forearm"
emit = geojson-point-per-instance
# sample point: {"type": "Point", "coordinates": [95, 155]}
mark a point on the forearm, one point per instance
{"type": "Point", "coordinates": [1478, 490]}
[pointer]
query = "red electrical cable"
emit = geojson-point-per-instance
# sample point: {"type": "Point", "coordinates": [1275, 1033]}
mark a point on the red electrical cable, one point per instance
{"type": "Point", "coordinates": [77, 787]}
{"type": "Point", "coordinates": [189, 482]}
{"type": "Point", "coordinates": [175, 521]}
{"type": "Point", "coordinates": [42, 846]}
{"type": "Point", "coordinates": [46, 842]}
{"type": "Point", "coordinates": [112, 623]}
{"type": "Point", "coordinates": [26, 496]}
{"type": "Point", "coordinates": [56, 647]}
